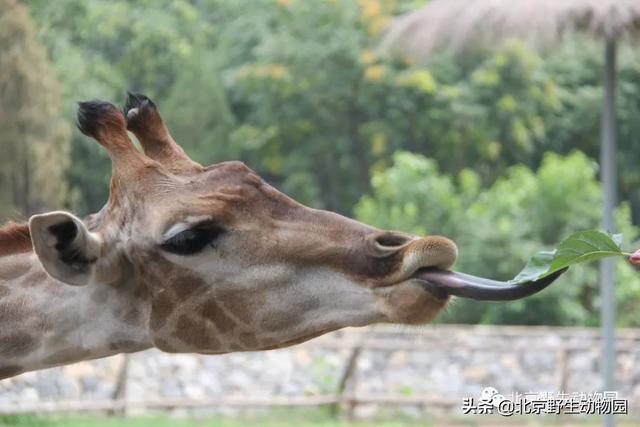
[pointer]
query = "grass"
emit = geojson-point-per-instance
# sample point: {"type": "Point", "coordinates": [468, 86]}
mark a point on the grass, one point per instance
{"type": "Point", "coordinates": [167, 421]}
{"type": "Point", "coordinates": [298, 418]}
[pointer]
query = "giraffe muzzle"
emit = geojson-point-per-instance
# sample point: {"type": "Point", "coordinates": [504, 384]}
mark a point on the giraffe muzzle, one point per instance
{"type": "Point", "coordinates": [443, 283]}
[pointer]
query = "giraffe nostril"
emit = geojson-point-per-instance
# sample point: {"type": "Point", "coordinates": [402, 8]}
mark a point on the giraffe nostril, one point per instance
{"type": "Point", "coordinates": [392, 240]}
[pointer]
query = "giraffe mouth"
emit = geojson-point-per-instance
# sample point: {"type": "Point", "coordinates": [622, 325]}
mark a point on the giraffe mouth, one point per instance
{"type": "Point", "coordinates": [443, 283]}
{"type": "Point", "coordinates": [300, 339]}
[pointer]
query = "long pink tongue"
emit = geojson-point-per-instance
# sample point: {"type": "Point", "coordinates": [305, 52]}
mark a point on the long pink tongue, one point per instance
{"type": "Point", "coordinates": [466, 286]}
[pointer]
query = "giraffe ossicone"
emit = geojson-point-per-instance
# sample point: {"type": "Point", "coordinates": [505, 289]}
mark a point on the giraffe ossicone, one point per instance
{"type": "Point", "coordinates": [207, 260]}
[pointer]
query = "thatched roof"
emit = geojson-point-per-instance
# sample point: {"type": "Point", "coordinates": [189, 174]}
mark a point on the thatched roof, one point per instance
{"type": "Point", "coordinates": [456, 24]}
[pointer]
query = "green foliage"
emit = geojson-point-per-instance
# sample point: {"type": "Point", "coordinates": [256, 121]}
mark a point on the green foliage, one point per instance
{"type": "Point", "coordinates": [581, 246]}
{"type": "Point", "coordinates": [197, 111]}
{"type": "Point", "coordinates": [414, 196]}
{"type": "Point", "coordinates": [33, 137]}
{"type": "Point", "coordinates": [499, 227]}
{"type": "Point", "coordinates": [307, 417]}
{"type": "Point", "coordinates": [287, 417]}
{"type": "Point", "coordinates": [298, 91]}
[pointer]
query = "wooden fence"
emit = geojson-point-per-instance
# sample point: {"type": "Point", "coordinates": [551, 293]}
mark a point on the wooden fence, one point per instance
{"type": "Point", "coordinates": [344, 399]}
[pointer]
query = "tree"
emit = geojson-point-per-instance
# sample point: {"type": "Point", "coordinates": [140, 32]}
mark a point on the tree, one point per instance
{"type": "Point", "coordinates": [197, 111]}
{"type": "Point", "coordinates": [34, 139]}
{"type": "Point", "coordinates": [296, 89]}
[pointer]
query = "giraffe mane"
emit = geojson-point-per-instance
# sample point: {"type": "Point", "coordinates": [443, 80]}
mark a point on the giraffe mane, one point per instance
{"type": "Point", "coordinates": [15, 238]}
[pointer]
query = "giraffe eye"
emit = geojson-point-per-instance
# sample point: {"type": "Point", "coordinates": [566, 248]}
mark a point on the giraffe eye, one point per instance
{"type": "Point", "coordinates": [192, 240]}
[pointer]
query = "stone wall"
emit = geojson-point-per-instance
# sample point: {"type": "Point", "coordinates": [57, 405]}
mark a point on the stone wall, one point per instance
{"type": "Point", "coordinates": [433, 367]}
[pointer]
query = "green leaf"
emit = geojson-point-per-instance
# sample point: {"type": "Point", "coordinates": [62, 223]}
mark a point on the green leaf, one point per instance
{"type": "Point", "coordinates": [582, 246]}
{"type": "Point", "coordinates": [537, 267]}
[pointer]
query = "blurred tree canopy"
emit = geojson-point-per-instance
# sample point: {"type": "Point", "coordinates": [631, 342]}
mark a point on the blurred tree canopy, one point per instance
{"type": "Point", "coordinates": [33, 137]}
{"type": "Point", "coordinates": [298, 90]}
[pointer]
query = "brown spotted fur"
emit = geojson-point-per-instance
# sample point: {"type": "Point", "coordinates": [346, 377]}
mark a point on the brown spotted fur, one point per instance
{"type": "Point", "coordinates": [14, 238]}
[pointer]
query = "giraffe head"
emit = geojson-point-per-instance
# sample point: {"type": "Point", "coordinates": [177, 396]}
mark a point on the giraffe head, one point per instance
{"type": "Point", "coordinates": [221, 261]}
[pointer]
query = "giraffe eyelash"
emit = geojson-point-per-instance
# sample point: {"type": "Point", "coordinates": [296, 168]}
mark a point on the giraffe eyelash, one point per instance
{"type": "Point", "coordinates": [192, 240]}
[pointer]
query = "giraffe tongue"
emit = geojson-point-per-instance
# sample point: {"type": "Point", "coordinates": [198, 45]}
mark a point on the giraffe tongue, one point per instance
{"type": "Point", "coordinates": [443, 283]}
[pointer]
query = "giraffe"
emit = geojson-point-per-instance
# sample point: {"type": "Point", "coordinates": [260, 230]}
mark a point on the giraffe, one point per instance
{"type": "Point", "coordinates": [208, 260]}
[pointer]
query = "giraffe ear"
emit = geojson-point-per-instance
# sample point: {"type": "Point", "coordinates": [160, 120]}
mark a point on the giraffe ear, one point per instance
{"type": "Point", "coordinates": [67, 250]}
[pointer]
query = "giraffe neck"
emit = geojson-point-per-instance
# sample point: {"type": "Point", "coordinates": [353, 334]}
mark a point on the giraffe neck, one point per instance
{"type": "Point", "coordinates": [45, 323]}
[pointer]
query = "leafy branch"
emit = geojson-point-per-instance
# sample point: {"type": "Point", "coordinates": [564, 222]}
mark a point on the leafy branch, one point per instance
{"type": "Point", "coordinates": [582, 246]}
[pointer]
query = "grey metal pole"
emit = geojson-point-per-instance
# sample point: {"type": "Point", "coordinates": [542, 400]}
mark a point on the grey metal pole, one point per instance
{"type": "Point", "coordinates": [609, 174]}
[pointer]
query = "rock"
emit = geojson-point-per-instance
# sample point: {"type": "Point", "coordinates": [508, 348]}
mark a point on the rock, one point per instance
{"type": "Point", "coordinates": [29, 395]}
{"type": "Point", "coordinates": [69, 388]}
{"type": "Point", "coordinates": [171, 388]}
